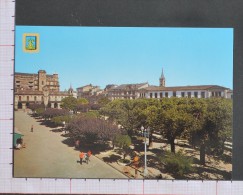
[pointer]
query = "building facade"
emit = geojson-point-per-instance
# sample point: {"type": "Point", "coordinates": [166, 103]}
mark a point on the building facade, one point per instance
{"type": "Point", "coordinates": [88, 91]}
{"type": "Point", "coordinates": [196, 91]}
{"type": "Point", "coordinates": [126, 91]}
{"type": "Point", "coordinates": [35, 88]}
{"type": "Point", "coordinates": [144, 90]}
{"type": "Point", "coordinates": [199, 91]}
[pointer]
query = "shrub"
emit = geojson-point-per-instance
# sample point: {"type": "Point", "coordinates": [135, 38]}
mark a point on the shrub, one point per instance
{"type": "Point", "coordinates": [58, 120]}
{"type": "Point", "coordinates": [177, 163]}
{"type": "Point", "coordinates": [39, 111]}
{"type": "Point", "coordinates": [53, 112]}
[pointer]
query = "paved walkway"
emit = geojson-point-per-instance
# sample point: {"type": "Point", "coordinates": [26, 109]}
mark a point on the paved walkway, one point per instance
{"type": "Point", "coordinates": [46, 156]}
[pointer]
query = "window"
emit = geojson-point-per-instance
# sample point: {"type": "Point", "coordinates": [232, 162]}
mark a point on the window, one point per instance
{"type": "Point", "coordinates": [19, 98]}
{"type": "Point", "coordinates": [35, 98]}
{"type": "Point", "coordinates": [161, 95]}
{"type": "Point", "coordinates": [182, 94]}
{"type": "Point", "coordinates": [151, 95]}
{"type": "Point", "coordinates": [196, 94]}
{"type": "Point", "coordinates": [203, 94]}
{"type": "Point", "coordinates": [155, 95]}
{"type": "Point", "coordinates": [166, 94]}
{"type": "Point", "coordinates": [28, 98]}
{"type": "Point", "coordinates": [174, 93]}
{"type": "Point", "coordinates": [189, 94]}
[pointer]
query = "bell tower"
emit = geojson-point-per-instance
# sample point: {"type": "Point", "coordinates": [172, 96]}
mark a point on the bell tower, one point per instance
{"type": "Point", "coordinates": [41, 79]}
{"type": "Point", "coordinates": [162, 79]}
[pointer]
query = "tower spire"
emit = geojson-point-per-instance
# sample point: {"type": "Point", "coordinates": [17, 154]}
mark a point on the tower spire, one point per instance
{"type": "Point", "coordinates": [162, 74]}
{"type": "Point", "coordinates": [162, 79]}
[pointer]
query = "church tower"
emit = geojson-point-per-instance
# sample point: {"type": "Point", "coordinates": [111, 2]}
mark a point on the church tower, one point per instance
{"type": "Point", "coordinates": [162, 79]}
{"type": "Point", "coordinates": [70, 90]}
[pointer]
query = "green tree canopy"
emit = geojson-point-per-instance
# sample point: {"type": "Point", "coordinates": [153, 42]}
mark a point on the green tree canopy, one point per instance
{"type": "Point", "coordinates": [69, 103]}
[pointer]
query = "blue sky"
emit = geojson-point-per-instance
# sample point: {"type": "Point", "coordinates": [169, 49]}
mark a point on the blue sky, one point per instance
{"type": "Point", "coordinates": [121, 55]}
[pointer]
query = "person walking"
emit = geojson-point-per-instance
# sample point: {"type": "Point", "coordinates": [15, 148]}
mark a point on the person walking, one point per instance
{"type": "Point", "coordinates": [77, 143]}
{"type": "Point", "coordinates": [136, 162]}
{"type": "Point", "coordinates": [32, 128]}
{"type": "Point", "coordinates": [88, 156]}
{"type": "Point", "coordinates": [81, 157]}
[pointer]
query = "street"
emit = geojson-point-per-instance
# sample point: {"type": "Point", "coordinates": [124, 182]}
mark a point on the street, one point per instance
{"type": "Point", "coordinates": [46, 156]}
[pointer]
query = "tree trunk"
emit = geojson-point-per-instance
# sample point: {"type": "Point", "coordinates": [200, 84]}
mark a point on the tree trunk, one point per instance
{"type": "Point", "coordinates": [172, 145]}
{"type": "Point", "coordinates": [202, 154]}
{"type": "Point", "coordinates": [150, 140]}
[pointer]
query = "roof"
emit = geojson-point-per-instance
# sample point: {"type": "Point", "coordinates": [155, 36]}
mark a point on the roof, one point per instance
{"type": "Point", "coordinates": [90, 85]}
{"type": "Point", "coordinates": [185, 88]}
{"type": "Point", "coordinates": [31, 74]}
{"type": "Point", "coordinates": [129, 86]}
{"type": "Point", "coordinates": [30, 92]}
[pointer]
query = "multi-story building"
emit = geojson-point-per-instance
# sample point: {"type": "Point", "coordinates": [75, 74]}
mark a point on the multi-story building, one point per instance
{"type": "Point", "coordinates": [144, 90]}
{"type": "Point", "coordinates": [195, 91]}
{"type": "Point", "coordinates": [126, 91]}
{"type": "Point", "coordinates": [30, 88]}
{"type": "Point", "coordinates": [88, 90]}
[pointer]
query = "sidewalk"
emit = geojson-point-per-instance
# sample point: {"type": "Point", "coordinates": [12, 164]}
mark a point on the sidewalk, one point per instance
{"type": "Point", "coordinates": [129, 170]}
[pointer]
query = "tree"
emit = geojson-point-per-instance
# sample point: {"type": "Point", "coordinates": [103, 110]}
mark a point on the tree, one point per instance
{"type": "Point", "coordinates": [123, 142]}
{"type": "Point", "coordinates": [82, 101]}
{"type": "Point", "coordinates": [212, 125]}
{"type": "Point", "coordinates": [103, 101]}
{"type": "Point", "coordinates": [170, 117]}
{"type": "Point", "coordinates": [69, 103]}
{"type": "Point", "coordinates": [35, 106]}
{"type": "Point", "coordinates": [92, 129]}
{"type": "Point", "coordinates": [54, 112]}
{"type": "Point", "coordinates": [58, 120]}
{"type": "Point", "coordinates": [83, 107]}
{"type": "Point", "coordinates": [127, 113]}
{"type": "Point", "coordinates": [175, 122]}
{"type": "Point", "coordinates": [218, 124]}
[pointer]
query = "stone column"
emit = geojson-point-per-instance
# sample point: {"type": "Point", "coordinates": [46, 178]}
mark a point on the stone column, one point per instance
{"type": "Point", "coordinates": [16, 103]}
{"type": "Point", "coordinates": [58, 105]}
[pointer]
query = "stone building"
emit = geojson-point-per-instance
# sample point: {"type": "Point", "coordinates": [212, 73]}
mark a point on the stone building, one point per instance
{"type": "Point", "coordinates": [34, 88]}
{"type": "Point", "coordinates": [88, 91]}
{"type": "Point", "coordinates": [126, 91]}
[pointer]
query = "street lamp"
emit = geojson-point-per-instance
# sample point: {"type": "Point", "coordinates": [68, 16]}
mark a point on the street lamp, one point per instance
{"type": "Point", "coordinates": [146, 133]}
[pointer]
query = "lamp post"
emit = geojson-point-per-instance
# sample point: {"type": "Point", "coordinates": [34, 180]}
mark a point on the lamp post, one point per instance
{"type": "Point", "coordinates": [146, 133]}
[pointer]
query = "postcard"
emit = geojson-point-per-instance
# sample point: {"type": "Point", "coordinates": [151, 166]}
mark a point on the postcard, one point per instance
{"type": "Point", "coordinates": [123, 102]}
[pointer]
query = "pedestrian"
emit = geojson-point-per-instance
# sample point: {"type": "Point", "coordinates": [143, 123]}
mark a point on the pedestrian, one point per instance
{"type": "Point", "coordinates": [81, 157]}
{"type": "Point", "coordinates": [77, 142]}
{"type": "Point", "coordinates": [32, 128]}
{"type": "Point", "coordinates": [88, 156]}
{"type": "Point", "coordinates": [136, 162]}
